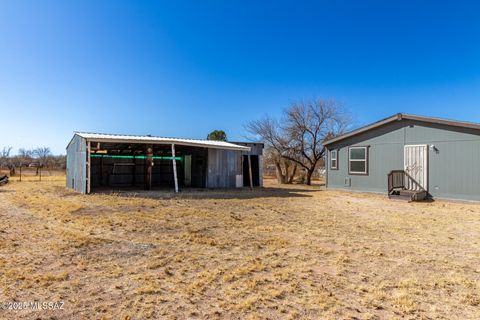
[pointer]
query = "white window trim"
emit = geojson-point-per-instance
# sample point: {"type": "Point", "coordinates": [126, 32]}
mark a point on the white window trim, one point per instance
{"type": "Point", "coordinates": [358, 160]}
{"type": "Point", "coordinates": [334, 159]}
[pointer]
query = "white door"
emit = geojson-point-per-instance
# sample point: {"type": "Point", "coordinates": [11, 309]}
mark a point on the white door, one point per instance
{"type": "Point", "coordinates": [416, 166]}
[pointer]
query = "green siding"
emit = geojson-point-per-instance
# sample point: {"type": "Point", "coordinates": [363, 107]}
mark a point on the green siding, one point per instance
{"type": "Point", "coordinates": [454, 163]}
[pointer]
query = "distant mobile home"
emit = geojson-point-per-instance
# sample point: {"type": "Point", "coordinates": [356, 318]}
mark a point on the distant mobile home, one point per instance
{"type": "Point", "coordinates": [111, 161]}
{"type": "Point", "coordinates": [408, 156]}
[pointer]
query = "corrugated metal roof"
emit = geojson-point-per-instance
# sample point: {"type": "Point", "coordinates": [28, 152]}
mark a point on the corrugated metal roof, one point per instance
{"type": "Point", "coordinates": [400, 117]}
{"type": "Point", "coordinates": [120, 138]}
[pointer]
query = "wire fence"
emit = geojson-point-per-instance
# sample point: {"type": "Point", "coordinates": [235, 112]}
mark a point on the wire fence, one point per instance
{"type": "Point", "coordinates": [32, 173]}
{"type": "Point", "coordinates": [271, 172]}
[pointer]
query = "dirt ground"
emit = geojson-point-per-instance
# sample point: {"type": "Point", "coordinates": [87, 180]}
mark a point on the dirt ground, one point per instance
{"type": "Point", "coordinates": [278, 252]}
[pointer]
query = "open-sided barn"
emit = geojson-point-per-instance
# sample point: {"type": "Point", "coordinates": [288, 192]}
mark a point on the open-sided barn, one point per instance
{"type": "Point", "coordinates": [109, 161]}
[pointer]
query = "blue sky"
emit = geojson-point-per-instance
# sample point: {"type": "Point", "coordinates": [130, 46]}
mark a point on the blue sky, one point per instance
{"type": "Point", "coordinates": [184, 68]}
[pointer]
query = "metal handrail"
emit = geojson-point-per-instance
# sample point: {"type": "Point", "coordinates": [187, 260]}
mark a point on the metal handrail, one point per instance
{"type": "Point", "coordinates": [397, 178]}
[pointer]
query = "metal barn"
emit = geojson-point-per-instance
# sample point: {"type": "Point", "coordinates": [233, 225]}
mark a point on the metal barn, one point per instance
{"type": "Point", "coordinates": [97, 162]}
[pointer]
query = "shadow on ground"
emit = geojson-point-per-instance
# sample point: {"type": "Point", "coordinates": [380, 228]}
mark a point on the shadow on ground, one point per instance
{"type": "Point", "coordinates": [241, 193]}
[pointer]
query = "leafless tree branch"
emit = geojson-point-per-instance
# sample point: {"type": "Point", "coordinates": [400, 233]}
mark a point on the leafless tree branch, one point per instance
{"type": "Point", "coordinates": [300, 132]}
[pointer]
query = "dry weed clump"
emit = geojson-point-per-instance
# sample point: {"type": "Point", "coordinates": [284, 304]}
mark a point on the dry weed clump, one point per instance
{"type": "Point", "coordinates": [290, 252]}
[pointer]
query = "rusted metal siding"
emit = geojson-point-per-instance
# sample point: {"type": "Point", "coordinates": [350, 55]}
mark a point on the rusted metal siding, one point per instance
{"type": "Point", "coordinates": [77, 164]}
{"type": "Point", "coordinates": [225, 165]}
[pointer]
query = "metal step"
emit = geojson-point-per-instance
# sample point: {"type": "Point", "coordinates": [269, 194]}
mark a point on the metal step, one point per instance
{"type": "Point", "coordinates": [407, 192]}
{"type": "Point", "coordinates": [400, 197]}
{"type": "Point", "coordinates": [409, 195]}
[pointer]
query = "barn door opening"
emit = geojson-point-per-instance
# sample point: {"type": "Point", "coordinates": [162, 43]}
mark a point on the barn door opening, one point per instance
{"type": "Point", "coordinates": [416, 166]}
{"type": "Point", "coordinates": [255, 171]}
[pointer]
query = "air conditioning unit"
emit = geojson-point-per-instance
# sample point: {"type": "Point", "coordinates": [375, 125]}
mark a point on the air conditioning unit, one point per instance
{"type": "Point", "coordinates": [348, 182]}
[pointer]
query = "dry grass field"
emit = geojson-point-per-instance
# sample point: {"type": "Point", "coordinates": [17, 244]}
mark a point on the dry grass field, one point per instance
{"type": "Point", "coordinates": [290, 252]}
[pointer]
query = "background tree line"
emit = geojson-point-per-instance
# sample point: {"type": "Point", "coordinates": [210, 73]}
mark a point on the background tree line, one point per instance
{"type": "Point", "coordinates": [40, 157]}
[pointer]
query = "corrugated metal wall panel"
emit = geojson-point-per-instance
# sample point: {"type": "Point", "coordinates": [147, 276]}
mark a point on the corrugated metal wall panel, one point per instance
{"type": "Point", "coordinates": [76, 164]}
{"type": "Point", "coordinates": [222, 168]}
{"type": "Point", "coordinates": [225, 165]}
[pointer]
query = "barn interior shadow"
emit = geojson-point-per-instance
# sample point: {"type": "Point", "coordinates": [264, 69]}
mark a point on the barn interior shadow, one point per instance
{"type": "Point", "coordinates": [241, 193]}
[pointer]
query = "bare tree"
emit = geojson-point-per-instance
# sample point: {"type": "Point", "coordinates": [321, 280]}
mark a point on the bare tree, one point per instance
{"type": "Point", "coordinates": [41, 157]}
{"type": "Point", "coordinates": [6, 160]}
{"type": "Point", "coordinates": [5, 153]}
{"type": "Point", "coordinates": [269, 130]}
{"type": "Point", "coordinates": [298, 136]}
{"type": "Point", "coordinates": [24, 157]}
{"type": "Point", "coordinates": [42, 154]}
{"type": "Point", "coordinates": [59, 162]}
{"type": "Point", "coordinates": [285, 170]}
{"type": "Point", "coordinates": [5, 157]}
{"type": "Point", "coordinates": [26, 154]}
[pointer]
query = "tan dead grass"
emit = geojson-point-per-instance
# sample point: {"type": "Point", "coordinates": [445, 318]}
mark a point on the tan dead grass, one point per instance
{"type": "Point", "coordinates": [289, 252]}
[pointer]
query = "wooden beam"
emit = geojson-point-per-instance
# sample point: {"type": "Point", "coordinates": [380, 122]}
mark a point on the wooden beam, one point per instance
{"type": "Point", "coordinates": [148, 168]}
{"type": "Point", "coordinates": [101, 171]}
{"type": "Point", "coordinates": [174, 168]}
{"type": "Point", "coordinates": [134, 171]}
{"type": "Point", "coordinates": [89, 170]}
{"type": "Point", "coordinates": [230, 146]}
{"type": "Point", "coordinates": [250, 171]}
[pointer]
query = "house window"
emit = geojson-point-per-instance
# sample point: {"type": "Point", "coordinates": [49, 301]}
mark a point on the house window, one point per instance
{"type": "Point", "coordinates": [358, 160]}
{"type": "Point", "coordinates": [334, 160]}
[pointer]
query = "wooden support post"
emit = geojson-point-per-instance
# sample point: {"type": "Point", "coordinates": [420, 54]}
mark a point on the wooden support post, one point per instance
{"type": "Point", "coordinates": [89, 171]}
{"type": "Point", "coordinates": [101, 171]}
{"type": "Point", "coordinates": [148, 168]}
{"type": "Point", "coordinates": [174, 162]}
{"type": "Point", "coordinates": [250, 172]}
{"type": "Point", "coordinates": [134, 173]}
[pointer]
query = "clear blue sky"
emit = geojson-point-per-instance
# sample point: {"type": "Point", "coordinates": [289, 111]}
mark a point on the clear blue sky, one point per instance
{"type": "Point", "coordinates": [183, 68]}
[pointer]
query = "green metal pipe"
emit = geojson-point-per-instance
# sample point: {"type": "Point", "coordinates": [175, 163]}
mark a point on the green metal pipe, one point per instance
{"type": "Point", "coordinates": [93, 155]}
